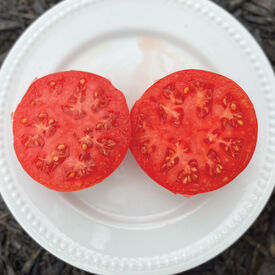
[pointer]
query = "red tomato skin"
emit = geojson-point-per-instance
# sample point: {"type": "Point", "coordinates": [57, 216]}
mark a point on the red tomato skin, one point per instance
{"type": "Point", "coordinates": [221, 83]}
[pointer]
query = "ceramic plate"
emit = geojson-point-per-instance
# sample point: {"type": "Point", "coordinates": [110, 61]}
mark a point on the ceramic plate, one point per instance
{"type": "Point", "coordinates": [128, 224]}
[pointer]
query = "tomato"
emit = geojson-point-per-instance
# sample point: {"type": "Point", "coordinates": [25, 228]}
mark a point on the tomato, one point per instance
{"type": "Point", "coordinates": [193, 131]}
{"type": "Point", "coordinates": [71, 130]}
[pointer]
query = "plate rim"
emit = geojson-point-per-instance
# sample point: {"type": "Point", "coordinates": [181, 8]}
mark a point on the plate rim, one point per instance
{"type": "Point", "coordinates": [102, 263]}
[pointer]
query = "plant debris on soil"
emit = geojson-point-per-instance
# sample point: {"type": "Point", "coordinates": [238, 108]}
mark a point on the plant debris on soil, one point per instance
{"type": "Point", "coordinates": [253, 254]}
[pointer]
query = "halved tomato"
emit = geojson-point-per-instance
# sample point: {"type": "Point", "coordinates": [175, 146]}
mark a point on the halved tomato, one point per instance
{"type": "Point", "coordinates": [193, 131]}
{"type": "Point", "coordinates": [71, 130]}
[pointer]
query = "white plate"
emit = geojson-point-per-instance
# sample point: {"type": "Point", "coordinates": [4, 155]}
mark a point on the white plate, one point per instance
{"type": "Point", "coordinates": [129, 224]}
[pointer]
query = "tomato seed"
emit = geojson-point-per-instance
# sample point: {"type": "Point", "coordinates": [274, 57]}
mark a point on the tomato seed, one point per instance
{"type": "Point", "coordinates": [55, 158]}
{"type": "Point", "coordinates": [111, 143]}
{"type": "Point", "coordinates": [240, 122]}
{"type": "Point", "coordinates": [84, 146]}
{"type": "Point", "coordinates": [233, 106]}
{"type": "Point", "coordinates": [238, 115]}
{"type": "Point", "coordinates": [42, 115]}
{"type": "Point", "coordinates": [61, 147]}
{"type": "Point", "coordinates": [72, 175]}
{"type": "Point", "coordinates": [224, 122]}
{"type": "Point", "coordinates": [82, 81]}
{"type": "Point", "coordinates": [27, 143]}
{"type": "Point", "coordinates": [24, 120]}
{"type": "Point", "coordinates": [218, 170]}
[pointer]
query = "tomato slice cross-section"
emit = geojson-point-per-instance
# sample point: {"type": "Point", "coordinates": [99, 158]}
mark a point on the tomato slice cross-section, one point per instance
{"type": "Point", "coordinates": [193, 131]}
{"type": "Point", "coordinates": [71, 130]}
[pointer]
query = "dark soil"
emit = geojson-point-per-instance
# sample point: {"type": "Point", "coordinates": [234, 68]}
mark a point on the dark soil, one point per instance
{"type": "Point", "coordinates": [253, 254]}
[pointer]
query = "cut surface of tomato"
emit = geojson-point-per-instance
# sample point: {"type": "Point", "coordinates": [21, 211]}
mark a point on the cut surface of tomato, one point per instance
{"type": "Point", "coordinates": [71, 130]}
{"type": "Point", "coordinates": [193, 131]}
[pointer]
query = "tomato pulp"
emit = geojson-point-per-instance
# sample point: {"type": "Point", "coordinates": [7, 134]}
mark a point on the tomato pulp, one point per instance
{"type": "Point", "coordinates": [193, 131]}
{"type": "Point", "coordinates": [71, 130]}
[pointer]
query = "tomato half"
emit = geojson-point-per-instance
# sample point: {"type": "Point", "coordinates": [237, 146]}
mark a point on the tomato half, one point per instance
{"type": "Point", "coordinates": [71, 130]}
{"type": "Point", "coordinates": [193, 131]}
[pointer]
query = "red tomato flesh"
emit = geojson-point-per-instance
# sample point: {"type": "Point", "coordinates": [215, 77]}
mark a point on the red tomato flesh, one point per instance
{"type": "Point", "coordinates": [71, 130]}
{"type": "Point", "coordinates": [193, 131]}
